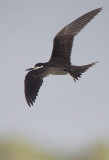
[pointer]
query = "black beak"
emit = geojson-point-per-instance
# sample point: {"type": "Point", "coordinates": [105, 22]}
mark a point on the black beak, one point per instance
{"type": "Point", "coordinates": [30, 69]}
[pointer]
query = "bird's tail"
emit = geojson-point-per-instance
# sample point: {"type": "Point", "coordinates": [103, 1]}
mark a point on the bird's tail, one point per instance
{"type": "Point", "coordinates": [76, 71]}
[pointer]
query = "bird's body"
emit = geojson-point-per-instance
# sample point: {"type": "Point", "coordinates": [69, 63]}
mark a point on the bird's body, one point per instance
{"type": "Point", "coordinates": [59, 63]}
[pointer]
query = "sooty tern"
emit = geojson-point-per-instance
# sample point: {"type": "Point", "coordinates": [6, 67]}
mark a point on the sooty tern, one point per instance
{"type": "Point", "coordinates": [59, 63]}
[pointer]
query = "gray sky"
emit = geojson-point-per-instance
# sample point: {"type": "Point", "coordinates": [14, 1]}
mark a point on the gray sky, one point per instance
{"type": "Point", "coordinates": [66, 115]}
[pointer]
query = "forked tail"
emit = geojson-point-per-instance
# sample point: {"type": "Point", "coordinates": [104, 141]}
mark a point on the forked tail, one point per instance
{"type": "Point", "coordinates": [76, 71]}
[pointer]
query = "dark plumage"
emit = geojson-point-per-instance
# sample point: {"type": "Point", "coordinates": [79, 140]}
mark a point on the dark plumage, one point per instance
{"type": "Point", "coordinates": [59, 63]}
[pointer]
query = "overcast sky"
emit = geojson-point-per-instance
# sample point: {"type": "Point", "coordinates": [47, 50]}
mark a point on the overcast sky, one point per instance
{"type": "Point", "coordinates": [66, 115]}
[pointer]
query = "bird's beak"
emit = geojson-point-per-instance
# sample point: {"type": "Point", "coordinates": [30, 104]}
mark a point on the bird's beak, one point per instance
{"type": "Point", "coordinates": [29, 69]}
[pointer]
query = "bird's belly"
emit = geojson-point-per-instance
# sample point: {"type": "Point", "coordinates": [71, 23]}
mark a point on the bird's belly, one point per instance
{"type": "Point", "coordinates": [59, 73]}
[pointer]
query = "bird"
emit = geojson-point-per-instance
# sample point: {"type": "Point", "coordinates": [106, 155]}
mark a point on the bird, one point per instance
{"type": "Point", "coordinates": [60, 60]}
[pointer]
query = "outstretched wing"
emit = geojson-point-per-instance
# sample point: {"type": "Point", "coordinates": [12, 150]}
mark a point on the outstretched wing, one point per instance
{"type": "Point", "coordinates": [32, 85]}
{"type": "Point", "coordinates": [63, 40]}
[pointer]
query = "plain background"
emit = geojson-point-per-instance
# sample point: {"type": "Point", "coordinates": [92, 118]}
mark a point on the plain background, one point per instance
{"type": "Point", "coordinates": [66, 115]}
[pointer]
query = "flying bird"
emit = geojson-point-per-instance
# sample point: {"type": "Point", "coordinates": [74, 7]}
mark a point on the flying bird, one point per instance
{"type": "Point", "coordinates": [60, 60]}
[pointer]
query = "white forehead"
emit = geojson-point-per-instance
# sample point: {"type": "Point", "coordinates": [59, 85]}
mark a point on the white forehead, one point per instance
{"type": "Point", "coordinates": [37, 67]}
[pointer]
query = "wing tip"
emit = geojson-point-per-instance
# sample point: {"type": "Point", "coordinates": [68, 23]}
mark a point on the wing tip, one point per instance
{"type": "Point", "coordinates": [99, 9]}
{"type": "Point", "coordinates": [29, 102]}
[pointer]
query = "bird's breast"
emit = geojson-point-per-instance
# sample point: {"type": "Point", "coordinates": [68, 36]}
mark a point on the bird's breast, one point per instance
{"type": "Point", "coordinates": [59, 72]}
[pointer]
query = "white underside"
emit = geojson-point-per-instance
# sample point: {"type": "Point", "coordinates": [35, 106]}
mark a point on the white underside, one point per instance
{"type": "Point", "coordinates": [62, 73]}
{"type": "Point", "coordinates": [59, 73]}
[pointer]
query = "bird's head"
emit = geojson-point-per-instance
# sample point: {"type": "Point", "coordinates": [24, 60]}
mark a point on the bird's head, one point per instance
{"type": "Point", "coordinates": [37, 66]}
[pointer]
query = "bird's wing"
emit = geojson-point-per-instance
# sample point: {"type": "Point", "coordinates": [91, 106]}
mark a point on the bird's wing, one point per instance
{"type": "Point", "coordinates": [63, 40]}
{"type": "Point", "coordinates": [32, 86]}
